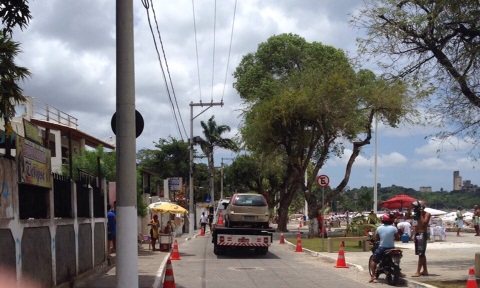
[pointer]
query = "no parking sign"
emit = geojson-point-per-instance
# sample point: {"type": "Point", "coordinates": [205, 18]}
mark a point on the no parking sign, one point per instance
{"type": "Point", "coordinates": [323, 180]}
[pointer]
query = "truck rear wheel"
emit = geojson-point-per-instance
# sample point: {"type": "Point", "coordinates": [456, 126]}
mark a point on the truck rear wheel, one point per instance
{"type": "Point", "coordinates": [217, 250]}
{"type": "Point", "coordinates": [261, 250]}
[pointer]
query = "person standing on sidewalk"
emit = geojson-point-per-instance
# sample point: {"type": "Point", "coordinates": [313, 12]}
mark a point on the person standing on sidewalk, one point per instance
{"type": "Point", "coordinates": [476, 219]}
{"type": "Point", "coordinates": [459, 220]}
{"type": "Point", "coordinates": [422, 218]}
{"type": "Point", "coordinates": [203, 222]}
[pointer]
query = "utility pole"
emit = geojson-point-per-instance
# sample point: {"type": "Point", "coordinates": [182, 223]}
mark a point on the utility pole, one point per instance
{"type": "Point", "coordinates": [127, 255]}
{"type": "Point", "coordinates": [191, 218]}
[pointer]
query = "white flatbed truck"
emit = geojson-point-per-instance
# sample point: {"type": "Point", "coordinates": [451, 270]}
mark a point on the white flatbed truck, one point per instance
{"type": "Point", "coordinates": [226, 239]}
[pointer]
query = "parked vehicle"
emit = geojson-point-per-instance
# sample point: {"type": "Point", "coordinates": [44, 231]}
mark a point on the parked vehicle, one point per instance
{"type": "Point", "coordinates": [388, 265]}
{"type": "Point", "coordinates": [246, 225]}
{"type": "Point", "coordinates": [247, 210]}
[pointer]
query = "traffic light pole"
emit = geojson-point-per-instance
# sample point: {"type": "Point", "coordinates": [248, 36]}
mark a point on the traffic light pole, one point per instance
{"type": "Point", "coordinates": [191, 212]}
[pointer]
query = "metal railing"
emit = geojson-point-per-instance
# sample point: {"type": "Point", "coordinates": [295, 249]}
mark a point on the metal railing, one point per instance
{"type": "Point", "coordinates": [49, 113]}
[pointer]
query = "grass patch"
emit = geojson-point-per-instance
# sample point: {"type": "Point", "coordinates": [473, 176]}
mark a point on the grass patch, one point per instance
{"type": "Point", "coordinates": [320, 244]}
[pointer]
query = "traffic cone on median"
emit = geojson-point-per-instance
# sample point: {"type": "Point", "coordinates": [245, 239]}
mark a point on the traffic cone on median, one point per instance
{"type": "Point", "coordinates": [220, 219]}
{"type": "Point", "coordinates": [341, 257]}
{"type": "Point", "coordinates": [299, 243]}
{"type": "Point", "coordinates": [169, 280]}
{"type": "Point", "coordinates": [175, 254]}
{"type": "Point", "coordinates": [472, 281]}
{"type": "Point", "coordinates": [282, 239]}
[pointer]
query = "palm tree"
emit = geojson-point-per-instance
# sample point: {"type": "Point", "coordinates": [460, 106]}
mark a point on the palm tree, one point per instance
{"type": "Point", "coordinates": [10, 92]}
{"type": "Point", "coordinates": [213, 138]}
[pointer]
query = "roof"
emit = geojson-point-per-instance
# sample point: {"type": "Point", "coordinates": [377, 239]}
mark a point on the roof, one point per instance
{"type": "Point", "coordinates": [75, 134]}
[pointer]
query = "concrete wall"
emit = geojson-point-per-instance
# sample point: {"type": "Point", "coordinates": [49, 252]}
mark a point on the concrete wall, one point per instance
{"type": "Point", "coordinates": [37, 254]}
{"type": "Point", "coordinates": [7, 249]}
{"type": "Point", "coordinates": [53, 251]}
{"type": "Point", "coordinates": [65, 256]}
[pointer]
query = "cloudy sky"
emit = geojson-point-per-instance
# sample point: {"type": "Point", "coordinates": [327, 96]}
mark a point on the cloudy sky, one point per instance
{"type": "Point", "coordinates": [69, 47]}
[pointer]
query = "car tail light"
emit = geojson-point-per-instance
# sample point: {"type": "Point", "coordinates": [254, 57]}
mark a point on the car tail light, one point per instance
{"type": "Point", "coordinates": [222, 238]}
{"type": "Point", "coordinates": [265, 240]}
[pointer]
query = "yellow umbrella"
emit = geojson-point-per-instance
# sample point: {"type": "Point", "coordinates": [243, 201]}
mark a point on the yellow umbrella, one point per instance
{"type": "Point", "coordinates": [167, 207]}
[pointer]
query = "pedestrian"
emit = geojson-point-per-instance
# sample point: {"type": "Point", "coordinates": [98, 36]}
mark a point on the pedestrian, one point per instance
{"type": "Point", "coordinates": [372, 218]}
{"type": "Point", "coordinates": [154, 226]}
{"type": "Point", "coordinates": [385, 234]}
{"type": "Point", "coordinates": [421, 220]}
{"type": "Point", "coordinates": [404, 227]}
{"type": "Point", "coordinates": [459, 220]}
{"type": "Point", "coordinates": [476, 219]}
{"type": "Point", "coordinates": [210, 220]}
{"type": "Point", "coordinates": [203, 221]}
{"type": "Point", "coordinates": [168, 228]}
{"type": "Point", "coordinates": [111, 229]}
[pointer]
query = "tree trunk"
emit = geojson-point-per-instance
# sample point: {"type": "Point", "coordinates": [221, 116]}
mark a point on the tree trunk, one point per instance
{"type": "Point", "coordinates": [212, 182]}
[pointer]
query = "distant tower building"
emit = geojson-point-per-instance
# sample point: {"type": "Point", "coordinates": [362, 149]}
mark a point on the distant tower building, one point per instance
{"type": "Point", "coordinates": [425, 188]}
{"type": "Point", "coordinates": [457, 181]}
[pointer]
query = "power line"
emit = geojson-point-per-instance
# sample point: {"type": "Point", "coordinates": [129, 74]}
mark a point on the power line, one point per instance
{"type": "Point", "coordinates": [196, 50]}
{"type": "Point", "coordinates": [147, 6]}
{"type": "Point", "coordinates": [168, 70]}
{"type": "Point", "coordinates": [214, 34]}
{"type": "Point", "coordinates": [229, 48]}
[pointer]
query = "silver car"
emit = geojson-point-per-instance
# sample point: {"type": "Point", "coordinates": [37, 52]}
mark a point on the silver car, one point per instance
{"type": "Point", "coordinates": [247, 210]}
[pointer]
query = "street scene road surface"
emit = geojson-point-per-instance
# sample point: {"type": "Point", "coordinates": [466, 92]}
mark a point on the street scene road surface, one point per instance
{"type": "Point", "coordinates": [281, 267]}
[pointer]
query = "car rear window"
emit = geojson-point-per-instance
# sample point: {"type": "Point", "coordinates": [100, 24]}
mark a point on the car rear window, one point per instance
{"type": "Point", "coordinates": [249, 200]}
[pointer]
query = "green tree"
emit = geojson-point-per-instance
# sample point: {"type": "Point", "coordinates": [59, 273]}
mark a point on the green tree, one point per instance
{"type": "Point", "coordinates": [302, 99]}
{"type": "Point", "coordinates": [10, 92]}
{"type": "Point", "coordinates": [13, 13]}
{"type": "Point", "coordinates": [256, 173]}
{"type": "Point", "coordinates": [434, 43]}
{"type": "Point", "coordinates": [93, 162]}
{"type": "Point", "coordinates": [170, 158]}
{"type": "Point", "coordinates": [213, 138]}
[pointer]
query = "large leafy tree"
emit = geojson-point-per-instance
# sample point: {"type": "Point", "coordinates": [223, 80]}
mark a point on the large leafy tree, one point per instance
{"type": "Point", "coordinates": [431, 42]}
{"type": "Point", "coordinates": [302, 99]}
{"type": "Point", "coordinates": [170, 158]}
{"type": "Point", "coordinates": [212, 139]}
{"type": "Point", "coordinates": [258, 173]}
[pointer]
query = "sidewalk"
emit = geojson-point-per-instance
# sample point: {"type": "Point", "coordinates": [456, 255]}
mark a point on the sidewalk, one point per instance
{"type": "Point", "coordinates": [447, 260]}
{"type": "Point", "coordinates": [151, 266]}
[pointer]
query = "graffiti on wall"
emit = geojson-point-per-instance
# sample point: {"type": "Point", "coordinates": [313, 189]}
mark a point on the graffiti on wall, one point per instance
{"type": "Point", "coordinates": [6, 189]}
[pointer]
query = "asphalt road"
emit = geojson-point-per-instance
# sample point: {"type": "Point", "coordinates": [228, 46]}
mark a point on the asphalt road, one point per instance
{"type": "Point", "coordinates": [281, 267]}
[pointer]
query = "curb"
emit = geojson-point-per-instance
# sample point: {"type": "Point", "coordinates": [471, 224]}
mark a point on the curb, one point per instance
{"type": "Point", "coordinates": [159, 277]}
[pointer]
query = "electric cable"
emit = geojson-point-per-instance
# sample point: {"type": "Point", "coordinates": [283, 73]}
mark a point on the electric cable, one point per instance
{"type": "Point", "coordinates": [229, 49]}
{"type": "Point", "coordinates": [168, 70]}
{"type": "Point", "coordinates": [214, 34]}
{"type": "Point", "coordinates": [147, 7]}
{"type": "Point", "coordinates": [196, 50]}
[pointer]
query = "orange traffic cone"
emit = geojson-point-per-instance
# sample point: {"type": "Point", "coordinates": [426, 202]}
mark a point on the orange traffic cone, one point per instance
{"type": "Point", "coordinates": [169, 280]}
{"type": "Point", "coordinates": [220, 219]}
{"type": "Point", "coordinates": [341, 257]}
{"type": "Point", "coordinates": [175, 254]}
{"type": "Point", "coordinates": [282, 239]}
{"type": "Point", "coordinates": [299, 243]}
{"type": "Point", "coordinates": [472, 281]}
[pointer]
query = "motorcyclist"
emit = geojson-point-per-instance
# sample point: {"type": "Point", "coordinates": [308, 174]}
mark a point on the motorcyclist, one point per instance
{"type": "Point", "coordinates": [385, 234]}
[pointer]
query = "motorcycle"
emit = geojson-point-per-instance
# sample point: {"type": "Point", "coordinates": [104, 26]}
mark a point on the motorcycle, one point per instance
{"type": "Point", "coordinates": [389, 264]}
